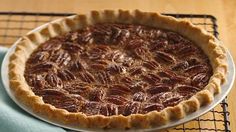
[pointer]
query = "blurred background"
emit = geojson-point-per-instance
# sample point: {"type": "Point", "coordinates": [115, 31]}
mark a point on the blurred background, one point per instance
{"type": "Point", "coordinates": [19, 16]}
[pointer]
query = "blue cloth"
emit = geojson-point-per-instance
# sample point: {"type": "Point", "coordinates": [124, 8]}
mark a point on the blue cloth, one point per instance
{"type": "Point", "coordinates": [14, 119]}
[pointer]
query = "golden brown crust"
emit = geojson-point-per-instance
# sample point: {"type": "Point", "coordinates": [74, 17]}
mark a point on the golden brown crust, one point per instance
{"type": "Point", "coordinates": [25, 47]}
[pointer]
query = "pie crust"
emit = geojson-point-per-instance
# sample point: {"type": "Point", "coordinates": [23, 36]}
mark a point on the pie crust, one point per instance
{"type": "Point", "coordinates": [208, 43]}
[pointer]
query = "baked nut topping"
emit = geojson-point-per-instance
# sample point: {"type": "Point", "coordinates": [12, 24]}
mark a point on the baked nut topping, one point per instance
{"type": "Point", "coordinates": [112, 69]}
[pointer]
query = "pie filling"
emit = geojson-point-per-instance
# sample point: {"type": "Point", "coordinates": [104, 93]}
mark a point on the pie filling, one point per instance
{"type": "Point", "coordinates": [111, 69]}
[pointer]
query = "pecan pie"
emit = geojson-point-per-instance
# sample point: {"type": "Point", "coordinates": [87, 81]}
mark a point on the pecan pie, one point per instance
{"type": "Point", "coordinates": [118, 69]}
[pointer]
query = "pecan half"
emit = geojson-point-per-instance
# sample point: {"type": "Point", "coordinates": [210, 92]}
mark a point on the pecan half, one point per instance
{"type": "Point", "coordinates": [165, 57]}
{"type": "Point", "coordinates": [200, 80]}
{"type": "Point", "coordinates": [98, 66]}
{"type": "Point", "coordinates": [172, 101]}
{"type": "Point", "coordinates": [173, 48]}
{"type": "Point", "coordinates": [140, 96]}
{"type": "Point", "coordinates": [101, 62]}
{"type": "Point", "coordinates": [193, 70]}
{"type": "Point", "coordinates": [101, 48]}
{"type": "Point", "coordinates": [51, 45]}
{"type": "Point", "coordinates": [187, 90]}
{"type": "Point", "coordinates": [151, 107]}
{"type": "Point", "coordinates": [119, 90]}
{"type": "Point", "coordinates": [56, 92]}
{"type": "Point", "coordinates": [167, 74]}
{"type": "Point", "coordinates": [39, 57]}
{"type": "Point", "coordinates": [185, 64]}
{"type": "Point", "coordinates": [152, 65]}
{"type": "Point", "coordinates": [91, 108]}
{"type": "Point", "coordinates": [96, 95]}
{"type": "Point", "coordinates": [98, 52]}
{"type": "Point", "coordinates": [87, 77]}
{"type": "Point", "coordinates": [116, 69]}
{"type": "Point", "coordinates": [151, 78]}
{"type": "Point", "coordinates": [78, 65]}
{"type": "Point", "coordinates": [66, 75]}
{"type": "Point", "coordinates": [78, 97]}
{"type": "Point", "coordinates": [193, 61]}
{"type": "Point", "coordinates": [116, 33]}
{"type": "Point", "coordinates": [61, 58]}
{"type": "Point", "coordinates": [119, 35]}
{"type": "Point", "coordinates": [126, 80]}
{"type": "Point", "coordinates": [43, 67]}
{"type": "Point", "coordinates": [137, 86]}
{"type": "Point", "coordinates": [61, 101]}
{"type": "Point", "coordinates": [153, 34]}
{"type": "Point", "coordinates": [131, 108]}
{"type": "Point", "coordinates": [84, 37]}
{"type": "Point", "coordinates": [102, 34]}
{"type": "Point", "coordinates": [144, 32]}
{"type": "Point", "coordinates": [159, 88]}
{"type": "Point", "coordinates": [128, 61]}
{"type": "Point", "coordinates": [186, 50]}
{"type": "Point", "coordinates": [140, 31]}
{"type": "Point", "coordinates": [170, 98]}
{"type": "Point", "coordinates": [118, 100]}
{"type": "Point", "coordinates": [133, 44]}
{"type": "Point", "coordinates": [136, 71]}
{"type": "Point", "coordinates": [72, 48]}
{"type": "Point", "coordinates": [180, 66]}
{"type": "Point", "coordinates": [141, 52]}
{"type": "Point", "coordinates": [158, 44]}
{"type": "Point", "coordinates": [36, 81]}
{"type": "Point", "coordinates": [104, 77]}
{"type": "Point", "coordinates": [175, 38]}
{"type": "Point", "coordinates": [117, 56]}
{"type": "Point", "coordinates": [155, 98]}
{"type": "Point", "coordinates": [53, 80]}
{"type": "Point", "coordinates": [77, 88]}
{"type": "Point", "coordinates": [109, 109]}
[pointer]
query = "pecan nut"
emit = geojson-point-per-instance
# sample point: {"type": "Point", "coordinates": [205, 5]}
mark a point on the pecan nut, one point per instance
{"type": "Point", "coordinates": [165, 57]}
{"type": "Point", "coordinates": [116, 69]}
{"type": "Point", "coordinates": [140, 96]}
{"type": "Point", "coordinates": [104, 77]}
{"type": "Point", "coordinates": [118, 100]}
{"type": "Point", "coordinates": [66, 75]}
{"type": "Point", "coordinates": [109, 109]}
{"type": "Point", "coordinates": [200, 80]}
{"type": "Point", "coordinates": [131, 108]}
{"type": "Point", "coordinates": [87, 77]}
{"type": "Point", "coordinates": [151, 107]}
{"type": "Point", "coordinates": [152, 65]}
{"type": "Point", "coordinates": [61, 58]}
{"type": "Point", "coordinates": [53, 80]}
{"type": "Point", "coordinates": [159, 88]}
{"type": "Point", "coordinates": [96, 95]}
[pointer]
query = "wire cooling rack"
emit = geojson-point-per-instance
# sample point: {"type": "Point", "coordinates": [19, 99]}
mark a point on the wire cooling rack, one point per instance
{"type": "Point", "coordinates": [15, 24]}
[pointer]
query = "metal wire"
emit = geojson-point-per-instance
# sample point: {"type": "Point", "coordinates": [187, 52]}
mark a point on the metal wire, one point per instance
{"type": "Point", "coordinates": [15, 24]}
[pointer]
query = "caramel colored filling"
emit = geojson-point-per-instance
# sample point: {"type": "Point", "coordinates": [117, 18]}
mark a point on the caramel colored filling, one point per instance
{"type": "Point", "coordinates": [112, 69]}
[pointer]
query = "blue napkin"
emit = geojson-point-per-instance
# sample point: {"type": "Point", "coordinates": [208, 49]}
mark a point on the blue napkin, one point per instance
{"type": "Point", "coordinates": [14, 119]}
